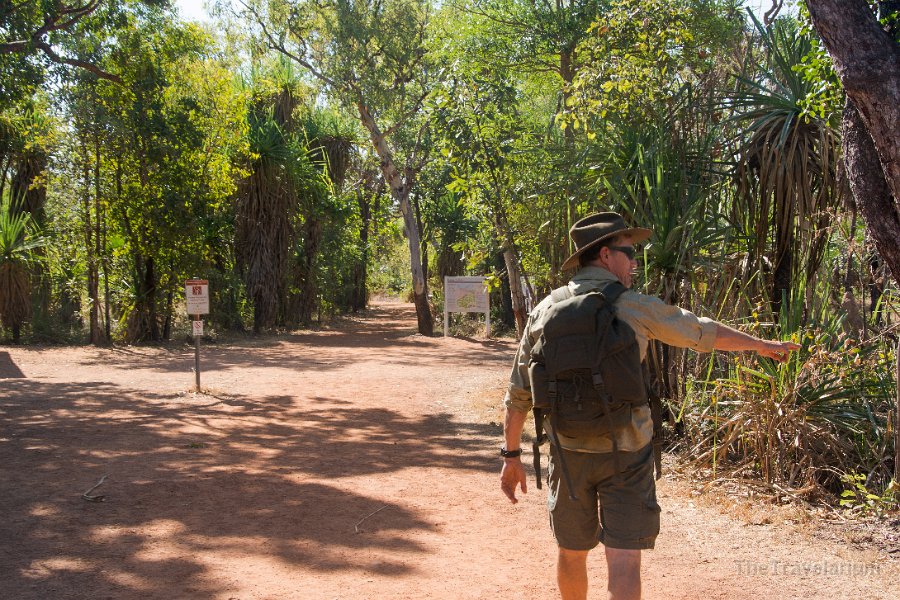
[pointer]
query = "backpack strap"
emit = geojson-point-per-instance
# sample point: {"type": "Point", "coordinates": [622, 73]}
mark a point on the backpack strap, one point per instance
{"type": "Point", "coordinates": [541, 434]}
{"type": "Point", "coordinates": [612, 291]}
{"type": "Point", "coordinates": [560, 294]}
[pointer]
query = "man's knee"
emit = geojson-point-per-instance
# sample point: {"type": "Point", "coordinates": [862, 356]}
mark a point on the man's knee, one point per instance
{"type": "Point", "coordinates": [572, 558]}
{"type": "Point", "coordinates": [572, 563]}
{"type": "Point", "coordinates": [624, 568]}
{"type": "Point", "coordinates": [624, 562]}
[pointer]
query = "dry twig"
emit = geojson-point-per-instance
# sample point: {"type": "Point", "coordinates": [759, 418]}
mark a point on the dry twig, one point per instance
{"type": "Point", "coordinates": [356, 527]}
{"type": "Point", "coordinates": [100, 497]}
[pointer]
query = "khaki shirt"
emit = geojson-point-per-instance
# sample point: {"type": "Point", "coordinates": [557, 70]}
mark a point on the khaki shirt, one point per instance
{"type": "Point", "coordinates": [651, 319]}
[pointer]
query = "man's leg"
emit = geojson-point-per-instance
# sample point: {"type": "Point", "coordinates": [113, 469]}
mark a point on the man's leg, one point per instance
{"type": "Point", "coordinates": [571, 574]}
{"type": "Point", "coordinates": [624, 568]}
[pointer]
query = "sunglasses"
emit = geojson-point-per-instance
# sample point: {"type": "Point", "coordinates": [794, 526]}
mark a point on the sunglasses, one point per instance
{"type": "Point", "coordinates": [626, 250]}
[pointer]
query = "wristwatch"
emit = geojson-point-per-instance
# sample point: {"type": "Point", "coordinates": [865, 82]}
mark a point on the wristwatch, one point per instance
{"type": "Point", "coordinates": [510, 453]}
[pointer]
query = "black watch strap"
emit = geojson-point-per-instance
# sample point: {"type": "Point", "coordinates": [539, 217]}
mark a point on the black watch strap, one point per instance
{"type": "Point", "coordinates": [510, 453]}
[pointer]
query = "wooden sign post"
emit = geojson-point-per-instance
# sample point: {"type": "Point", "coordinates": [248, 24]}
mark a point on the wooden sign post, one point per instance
{"type": "Point", "coordinates": [196, 293]}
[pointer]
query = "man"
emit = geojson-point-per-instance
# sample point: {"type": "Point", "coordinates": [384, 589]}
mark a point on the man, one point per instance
{"type": "Point", "coordinates": [618, 510]}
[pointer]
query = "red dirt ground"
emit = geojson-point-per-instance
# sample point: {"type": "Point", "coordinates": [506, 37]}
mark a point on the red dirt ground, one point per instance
{"type": "Point", "coordinates": [359, 461]}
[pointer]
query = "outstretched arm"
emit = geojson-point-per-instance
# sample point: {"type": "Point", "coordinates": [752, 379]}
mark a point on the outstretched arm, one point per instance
{"type": "Point", "coordinates": [736, 341]}
{"type": "Point", "coordinates": [513, 473]}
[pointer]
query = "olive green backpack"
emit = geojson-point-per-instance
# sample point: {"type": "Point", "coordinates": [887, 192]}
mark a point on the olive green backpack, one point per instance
{"type": "Point", "coordinates": [585, 371]}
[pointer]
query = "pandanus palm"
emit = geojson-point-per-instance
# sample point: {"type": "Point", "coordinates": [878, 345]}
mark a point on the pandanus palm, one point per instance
{"type": "Point", "coordinates": [265, 204]}
{"type": "Point", "coordinates": [18, 238]}
{"type": "Point", "coordinates": [786, 161]}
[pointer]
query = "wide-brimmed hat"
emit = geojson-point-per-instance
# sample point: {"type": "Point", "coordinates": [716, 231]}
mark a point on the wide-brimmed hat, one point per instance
{"type": "Point", "coordinates": [593, 229]}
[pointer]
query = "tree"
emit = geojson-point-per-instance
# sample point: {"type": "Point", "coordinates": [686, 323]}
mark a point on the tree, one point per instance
{"type": "Point", "coordinates": [34, 30]}
{"type": "Point", "coordinates": [171, 135]}
{"type": "Point", "coordinates": [372, 57]}
{"type": "Point", "coordinates": [787, 162]}
{"type": "Point", "coordinates": [538, 45]}
{"type": "Point", "coordinates": [18, 238]}
{"type": "Point", "coordinates": [867, 60]}
{"type": "Point", "coordinates": [479, 127]}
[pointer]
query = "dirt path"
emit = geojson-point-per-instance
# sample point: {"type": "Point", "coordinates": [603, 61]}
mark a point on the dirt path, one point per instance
{"type": "Point", "coordinates": [348, 463]}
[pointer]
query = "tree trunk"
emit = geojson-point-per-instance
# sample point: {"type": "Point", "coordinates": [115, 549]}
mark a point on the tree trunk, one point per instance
{"type": "Point", "coordinates": [96, 331]}
{"type": "Point", "coordinates": [91, 259]}
{"type": "Point", "coordinates": [870, 190]}
{"type": "Point", "coordinates": [150, 295]}
{"type": "Point", "coordinates": [309, 288]}
{"type": "Point", "coordinates": [167, 322]}
{"type": "Point", "coordinates": [511, 259]}
{"type": "Point", "coordinates": [360, 292]}
{"type": "Point", "coordinates": [515, 290]}
{"type": "Point", "coordinates": [400, 186]}
{"type": "Point", "coordinates": [867, 60]}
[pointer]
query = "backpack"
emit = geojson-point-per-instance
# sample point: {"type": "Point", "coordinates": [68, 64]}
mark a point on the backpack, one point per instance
{"type": "Point", "coordinates": [585, 371]}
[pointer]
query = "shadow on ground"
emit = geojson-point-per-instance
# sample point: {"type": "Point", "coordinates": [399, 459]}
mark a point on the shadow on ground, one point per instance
{"type": "Point", "coordinates": [234, 473]}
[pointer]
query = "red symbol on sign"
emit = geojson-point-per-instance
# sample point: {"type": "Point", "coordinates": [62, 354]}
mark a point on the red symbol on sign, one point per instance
{"type": "Point", "coordinates": [197, 290]}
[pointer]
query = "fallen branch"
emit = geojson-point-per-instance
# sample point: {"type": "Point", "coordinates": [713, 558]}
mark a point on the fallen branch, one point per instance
{"type": "Point", "coordinates": [356, 527]}
{"type": "Point", "coordinates": [99, 498]}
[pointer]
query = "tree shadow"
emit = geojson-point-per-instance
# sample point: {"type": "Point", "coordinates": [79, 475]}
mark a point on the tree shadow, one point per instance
{"type": "Point", "coordinates": [8, 368]}
{"type": "Point", "coordinates": [195, 475]}
{"type": "Point", "coordinates": [319, 351]}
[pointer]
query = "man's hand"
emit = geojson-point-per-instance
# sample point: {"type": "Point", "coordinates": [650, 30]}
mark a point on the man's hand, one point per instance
{"type": "Point", "coordinates": [512, 474]}
{"type": "Point", "coordinates": [778, 351]}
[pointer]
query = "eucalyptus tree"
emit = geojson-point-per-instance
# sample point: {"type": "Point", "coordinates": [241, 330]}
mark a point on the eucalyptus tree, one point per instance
{"type": "Point", "coordinates": [31, 32]}
{"type": "Point", "coordinates": [39, 33]}
{"type": "Point", "coordinates": [481, 137]}
{"type": "Point", "coordinates": [867, 60]}
{"type": "Point", "coordinates": [372, 57]}
{"type": "Point", "coordinates": [538, 44]}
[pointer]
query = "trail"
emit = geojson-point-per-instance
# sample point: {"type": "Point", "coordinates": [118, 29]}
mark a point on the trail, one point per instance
{"type": "Point", "coordinates": [358, 461]}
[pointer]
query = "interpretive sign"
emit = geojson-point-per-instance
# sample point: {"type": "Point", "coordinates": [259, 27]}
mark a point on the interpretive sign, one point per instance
{"type": "Point", "coordinates": [196, 295]}
{"type": "Point", "coordinates": [466, 295]}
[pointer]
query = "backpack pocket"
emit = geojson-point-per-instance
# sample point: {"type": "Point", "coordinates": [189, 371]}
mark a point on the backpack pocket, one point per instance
{"type": "Point", "coordinates": [581, 411]}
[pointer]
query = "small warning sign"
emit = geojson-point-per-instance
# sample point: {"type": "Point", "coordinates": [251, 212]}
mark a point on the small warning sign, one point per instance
{"type": "Point", "coordinates": [196, 293]}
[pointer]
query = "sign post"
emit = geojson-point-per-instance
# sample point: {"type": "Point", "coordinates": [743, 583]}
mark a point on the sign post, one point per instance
{"type": "Point", "coordinates": [196, 293]}
{"type": "Point", "coordinates": [468, 295]}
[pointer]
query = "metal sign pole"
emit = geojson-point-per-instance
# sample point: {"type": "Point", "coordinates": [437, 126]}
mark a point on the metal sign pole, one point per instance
{"type": "Point", "coordinates": [197, 355]}
{"type": "Point", "coordinates": [196, 294]}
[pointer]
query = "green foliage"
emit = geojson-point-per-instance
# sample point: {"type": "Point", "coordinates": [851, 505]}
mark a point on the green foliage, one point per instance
{"type": "Point", "coordinates": [388, 274]}
{"type": "Point", "coordinates": [787, 160]}
{"type": "Point", "coordinates": [640, 54]}
{"type": "Point", "coordinates": [19, 238]}
{"type": "Point", "coordinates": [796, 423]}
{"type": "Point", "coordinates": [857, 496]}
{"type": "Point", "coordinates": [824, 96]}
{"type": "Point", "coordinates": [259, 161]}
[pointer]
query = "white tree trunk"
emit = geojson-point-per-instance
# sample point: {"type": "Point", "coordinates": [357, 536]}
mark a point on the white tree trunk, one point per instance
{"type": "Point", "coordinates": [400, 186]}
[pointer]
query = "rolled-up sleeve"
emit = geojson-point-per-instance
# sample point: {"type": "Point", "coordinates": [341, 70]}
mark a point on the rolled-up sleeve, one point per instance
{"type": "Point", "coordinates": [652, 318]}
{"type": "Point", "coordinates": [518, 393]}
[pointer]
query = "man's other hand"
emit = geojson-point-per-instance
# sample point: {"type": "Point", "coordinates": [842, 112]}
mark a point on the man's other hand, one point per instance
{"type": "Point", "coordinates": [512, 474]}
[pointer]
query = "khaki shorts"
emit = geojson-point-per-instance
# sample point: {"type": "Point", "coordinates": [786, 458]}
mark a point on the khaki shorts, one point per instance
{"type": "Point", "coordinates": [619, 512]}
